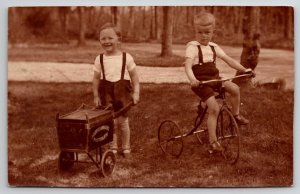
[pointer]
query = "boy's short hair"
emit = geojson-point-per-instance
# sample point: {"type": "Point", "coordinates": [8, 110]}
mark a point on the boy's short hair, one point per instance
{"type": "Point", "coordinates": [204, 19]}
{"type": "Point", "coordinates": [112, 26]}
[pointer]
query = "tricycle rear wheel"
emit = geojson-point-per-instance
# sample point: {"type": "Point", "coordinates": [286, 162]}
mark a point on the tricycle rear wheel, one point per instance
{"type": "Point", "coordinates": [170, 138]}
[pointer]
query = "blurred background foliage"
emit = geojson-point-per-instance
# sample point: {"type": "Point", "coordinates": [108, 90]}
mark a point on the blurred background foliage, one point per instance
{"type": "Point", "coordinates": [34, 25]}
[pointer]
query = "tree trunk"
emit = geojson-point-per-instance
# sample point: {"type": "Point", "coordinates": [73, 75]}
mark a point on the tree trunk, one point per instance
{"type": "Point", "coordinates": [63, 18]}
{"type": "Point", "coordinates": [156, 22]}
{"type": "Point", "coordinates": [289, 27]}
{"type": "Point", "coordinates": [12, 24]}
{"type": "Point", "coordinates": [82, 27]}
{"type": "Point", "coordinates": [167, 31]}
{"type": "Point", "coordinates": [152, 19]}
{"type": "Point", "coordinates": [115, 17]}
{"type": "Point", "coordinates": [131, 30]}
{"type": "Point", "coordinates": [144, 17]}
{"type": "Point", "coordinates": [190, 16]}
{"type": "Point", "coordinates": [251, 45]}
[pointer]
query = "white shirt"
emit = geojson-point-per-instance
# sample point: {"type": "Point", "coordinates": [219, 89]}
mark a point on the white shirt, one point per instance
{"type": "Point", "coordinates": [113, 66]}
{"type": "Point", "coordinates": [208, 55]}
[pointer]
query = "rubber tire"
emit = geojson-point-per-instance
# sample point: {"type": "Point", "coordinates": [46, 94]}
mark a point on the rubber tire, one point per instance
{"type": "Point", "coordinates": [108, 163]}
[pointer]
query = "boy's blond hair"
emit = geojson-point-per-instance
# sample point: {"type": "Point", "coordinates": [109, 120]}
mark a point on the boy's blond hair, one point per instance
{"type": "Point", "coordinates": [112, 26]}
{"type": "Point", "coordinates": [204, 19]}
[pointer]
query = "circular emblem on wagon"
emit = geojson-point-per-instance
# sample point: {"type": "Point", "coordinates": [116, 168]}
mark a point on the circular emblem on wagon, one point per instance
{"type": "Point", "coordinates": [100, 133]}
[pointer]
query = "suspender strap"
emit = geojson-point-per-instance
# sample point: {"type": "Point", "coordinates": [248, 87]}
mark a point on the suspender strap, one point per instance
{"type": "Point", "coordinates": [102, 66]}
{"type": "Point", "coordinates": [123, 65]}
{"type": "Point", "coordinates": [200, 55]}
{"type": "Point", "coordinates": [214, 51]}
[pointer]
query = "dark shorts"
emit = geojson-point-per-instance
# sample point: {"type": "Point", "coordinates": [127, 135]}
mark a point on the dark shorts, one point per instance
{"type": "Point", "coordinates": [206, 91]}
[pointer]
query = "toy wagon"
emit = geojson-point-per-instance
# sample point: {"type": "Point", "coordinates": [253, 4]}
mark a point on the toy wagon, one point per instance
{"type": "Point", "coordinates": [85, 131]}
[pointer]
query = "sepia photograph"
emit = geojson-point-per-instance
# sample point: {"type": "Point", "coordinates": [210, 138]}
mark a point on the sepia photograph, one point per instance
{"type": "Point", "coordinates": [150, 96]}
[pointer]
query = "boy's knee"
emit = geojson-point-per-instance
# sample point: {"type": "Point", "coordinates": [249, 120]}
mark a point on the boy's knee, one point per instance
{"type": "Point", "coordinates": [234, 89]}
{"type": "Point", "coordinates": [214, 110]}
{"type": "Point", "coordinates": [123, 119]}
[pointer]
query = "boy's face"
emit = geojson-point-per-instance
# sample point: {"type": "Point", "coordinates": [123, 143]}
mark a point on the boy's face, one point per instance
{"type": "Point", "coordinates": [109, 40]}
{"type": "Point", "coordinates": [204, 34]}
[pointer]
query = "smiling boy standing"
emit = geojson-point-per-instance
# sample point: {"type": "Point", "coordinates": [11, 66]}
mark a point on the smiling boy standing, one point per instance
{"type": "Point", "coordinates": [115, 69]}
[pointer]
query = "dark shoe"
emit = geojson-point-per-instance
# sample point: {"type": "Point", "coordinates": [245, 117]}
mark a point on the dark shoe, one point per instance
{"type": "Point", "coordinates": [216, 147]}
{"type": "Point", "coordinates": [240, 120]}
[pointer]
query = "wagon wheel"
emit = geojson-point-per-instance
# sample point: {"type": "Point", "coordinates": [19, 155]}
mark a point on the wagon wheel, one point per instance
{"type": "Point", "coordinates": [108, 163]}
{"type": "Point", "coordinates": [170, 138]}
{"type": "Point", "coordinates": [66, 160]}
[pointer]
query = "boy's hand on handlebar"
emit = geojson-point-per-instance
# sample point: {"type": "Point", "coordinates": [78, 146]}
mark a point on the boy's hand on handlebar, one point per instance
{"type": "Point", "coordinates": [97, 101]}
{"type": "Point", "coordinates": [250, 72]}
{"type": "Point", "coordinates": [195, 83]}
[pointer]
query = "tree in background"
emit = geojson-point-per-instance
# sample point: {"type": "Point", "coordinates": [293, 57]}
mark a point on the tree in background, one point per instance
{"type": "Point", "coordinates": [251, 32]}
{"type": "Point", "coordinates": [166, 44]}
{"type": "Point", "coordinates": [57, 24]}
{"type": "Point", "coordinates": [82, 26]}
{"type": "Point", "coordinates": [130, 30]}
{"type": "Point", "coordinates": [251, 44]}
{"type": "Point", "coordinates": [63, 13]}
{"type": "Point", "coordinates": [116, 17]}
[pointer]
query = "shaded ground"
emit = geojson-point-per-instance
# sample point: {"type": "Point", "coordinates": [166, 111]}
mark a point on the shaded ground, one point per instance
{"type": "Point", "coordinates": [266, 145]}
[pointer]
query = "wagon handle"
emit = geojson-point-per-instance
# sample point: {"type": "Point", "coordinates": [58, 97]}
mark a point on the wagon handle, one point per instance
{"type": "Point", "coordinates": [116, 114]}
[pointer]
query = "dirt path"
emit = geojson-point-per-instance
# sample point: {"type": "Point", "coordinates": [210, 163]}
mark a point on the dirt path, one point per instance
{"type": "Point", "coordinates": [273, 64]}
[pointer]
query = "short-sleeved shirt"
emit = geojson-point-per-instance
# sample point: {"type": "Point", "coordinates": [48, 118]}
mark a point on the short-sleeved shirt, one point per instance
{"type": "Point", "coordinates": [208, 55]}
{"type": "Point", "coordinates": [113, 66]}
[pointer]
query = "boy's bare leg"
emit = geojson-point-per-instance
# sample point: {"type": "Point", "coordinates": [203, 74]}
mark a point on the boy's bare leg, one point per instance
{"type": "Point", "coordinates": [124, 127]}
{"type": "Point", "coordinates": [213, 111]}
{"type": "Point", "coordinates": [114, 143]}
{"type": "Point", "coordinates": [234, 91]}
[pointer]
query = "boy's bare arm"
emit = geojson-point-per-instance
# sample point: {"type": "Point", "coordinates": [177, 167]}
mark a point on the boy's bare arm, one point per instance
{"type": "Point", "coordinates": [96, 82]}
{"type": "Point", "coordinates": [189, 72]}
{"type": "Point", "coordinates": [136, 85]}
{"type": "Point", "coordinates": [233, 63]}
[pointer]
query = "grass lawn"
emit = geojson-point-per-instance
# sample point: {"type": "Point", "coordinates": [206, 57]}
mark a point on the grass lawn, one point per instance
{"type": "Point", "coordinates": [266, 153]}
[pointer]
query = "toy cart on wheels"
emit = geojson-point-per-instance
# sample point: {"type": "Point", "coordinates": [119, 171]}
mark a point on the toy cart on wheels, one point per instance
{"type": "Point", "coordinates": [86, 131]}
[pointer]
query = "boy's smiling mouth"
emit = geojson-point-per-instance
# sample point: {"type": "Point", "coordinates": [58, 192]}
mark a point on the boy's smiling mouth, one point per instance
{"type": "Point", "coordinates": [107, 45]}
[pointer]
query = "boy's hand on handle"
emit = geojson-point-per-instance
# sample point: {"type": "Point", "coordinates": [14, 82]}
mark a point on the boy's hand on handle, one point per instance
{"type": "Point", "coordinates": [250, 72]}
{"type": "Point", "coordinates": [135, 97]}
{"type": "Point", "coordinates": [97, 101]}
{"type": "Point", "coordinates": [195, 83]}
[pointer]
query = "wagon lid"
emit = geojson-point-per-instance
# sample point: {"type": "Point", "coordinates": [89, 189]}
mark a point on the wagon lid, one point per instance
{"type": "Point", "coordinates": [85, 115]}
